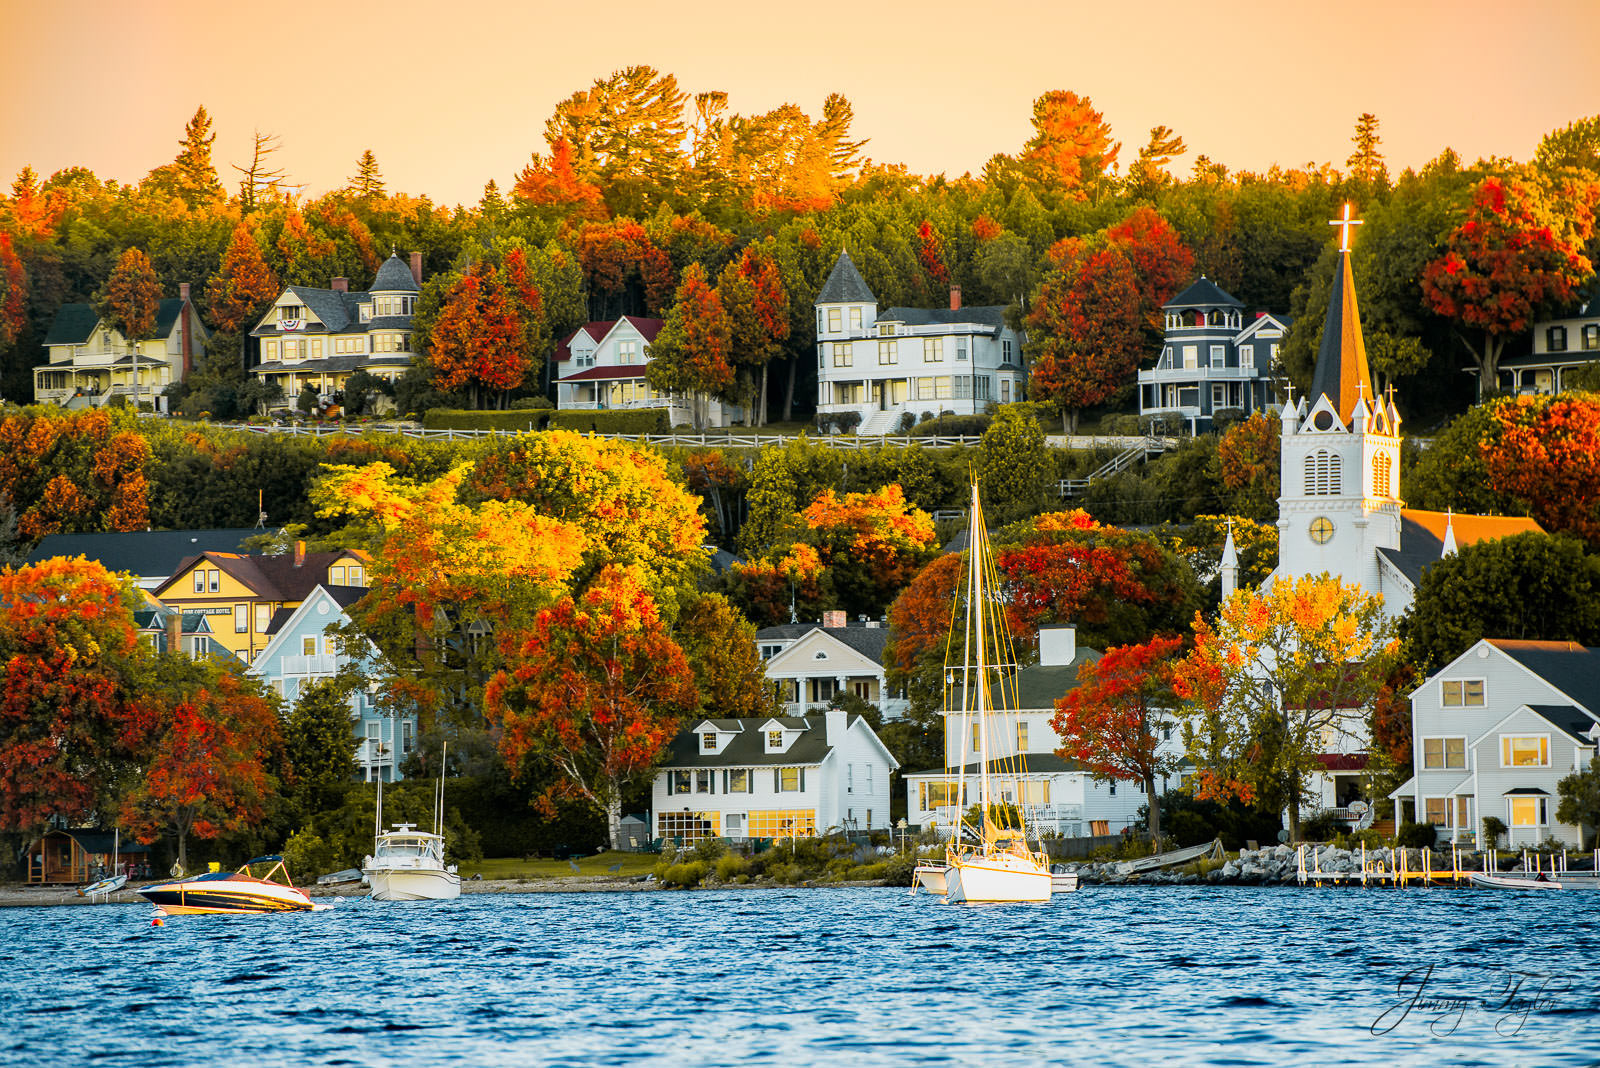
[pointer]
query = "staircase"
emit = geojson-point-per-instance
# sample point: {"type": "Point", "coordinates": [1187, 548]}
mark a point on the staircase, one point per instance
{"type": "Point", "coordinates": [1134, 454]}
{"type": "Point", "coordinates": [880, 423]}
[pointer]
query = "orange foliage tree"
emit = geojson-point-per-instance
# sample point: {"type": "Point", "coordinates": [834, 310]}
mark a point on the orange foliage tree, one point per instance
{"type": "Point", "coordinates": [1247, 461]}
{"type": "Point", "coordinates": [207, 771]}
{"type": "Point", "coordinates": [132, 297]}
{"type": "Point", "coordinates": [13, 293]}
{"type": "Point", "coordinates": [242, 290]}
{"type": "Point", "coordinates": [1071, 145]}
{"type": "Point", "coordinates": [623, 269]}
{"type": "Point", "coordinates": [71, 723]}
{"type": "Point", "coordinates": [74, 472]}
{"type": "Point", "coordinates": [872, 544]}
{"type": "Point", "coordinates": [490, 333]}
{"type": "Point", "coordinates": [555, 183]}
{"type": "Point", "coordinates": [1546, 452]}
{"type": "Point", "coordinates": [1112, 721]}
{"type": "Point", "coordinates": [692, 353]}
{"type": "Point", "coordinates": [757, 305]}
{"type": "Point", "coordinates": [597, 688]}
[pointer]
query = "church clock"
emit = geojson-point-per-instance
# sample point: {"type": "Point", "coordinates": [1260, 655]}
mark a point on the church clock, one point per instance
{"type": "Point", "coordinates": [1321, 529]}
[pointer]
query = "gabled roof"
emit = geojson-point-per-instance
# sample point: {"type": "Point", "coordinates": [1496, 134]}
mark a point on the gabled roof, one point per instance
{"type": "Point", "coordinates": [989, 316]}
{"type": "Point", "coordinates": [1342, 374]}
{"type": "Point", "coordinates": [1204, 293]}
{"type": "Point", "coordinates": [272, 578]}
{"type": "Point", "coordinates": [74, 324]}
{"type": "Point", "coordinates": [868, 641]}
{"type": "Point", "coordinates": [1422, 537]}
{"type": "Point", "coordinates": [1571, 668]}
{"type": "Point", "coordinates": [845, 284]}
{"type": "Point", "coordinates": [748, 747]}
{"type": "Point", "coordinates": [141, 552]}
{"type": "Point", "coordinates": [1571, 721]}
{"type": "Point", "coordinates": [394, 277]}
{"type": "Point", "coordinates": [167, 316]}
{"type": "Point", "coordinates": [327, 305]}
{"type": "Point", "coordinates": [343, 596]}
{"type": "Point", "coordinates": [600, 329]}
{"type": "Point", "coordinates": [1040, 686]}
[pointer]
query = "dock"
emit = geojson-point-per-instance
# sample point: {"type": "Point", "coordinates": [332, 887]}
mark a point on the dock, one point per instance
{"type": "Point", "coordinates": [1375, 869]}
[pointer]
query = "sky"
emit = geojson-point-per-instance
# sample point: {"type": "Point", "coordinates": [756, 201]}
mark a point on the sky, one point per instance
{"type": "Point", "coordinates": [451, 94]}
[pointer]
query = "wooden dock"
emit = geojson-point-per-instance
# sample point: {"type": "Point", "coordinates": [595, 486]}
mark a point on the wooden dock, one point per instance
{"type": "Point", "coordinates": [1376, 870]}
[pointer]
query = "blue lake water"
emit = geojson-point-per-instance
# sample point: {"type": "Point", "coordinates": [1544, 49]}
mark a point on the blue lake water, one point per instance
{"type": "Point", "coordinates": [1126, 975]}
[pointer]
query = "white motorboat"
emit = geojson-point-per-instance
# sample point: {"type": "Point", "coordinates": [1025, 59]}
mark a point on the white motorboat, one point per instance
{"type": "Point", "coordinates": [1515, 881]}
{"type": "Point", "coordinates": [930, 877]}
{"type": "Point", "coordinates": [407, 864]}
{"type": "Point", "coordinates": [232, 893]}
{"type": "Point", "coordinates": [996, 865]}
{"type": "Point", "coordinates": [104, 888]}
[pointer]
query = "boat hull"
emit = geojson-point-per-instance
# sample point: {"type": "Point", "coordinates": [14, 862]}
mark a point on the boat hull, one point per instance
{"type": "Point", "coordinates": [237, 896]}
{"type": "Point", "coordinates": [930, 877]}
{"type": "Point", "coordinates": [1063, 882]}
{"type": "Point", "coordinates": [415, 884]}
{"type": "Point", "coordinates": [1514, 882]}
{"type": "Point", "coordinates": [996, 879]}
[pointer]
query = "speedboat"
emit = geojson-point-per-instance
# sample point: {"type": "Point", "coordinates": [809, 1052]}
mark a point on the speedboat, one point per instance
{"type": "Point", "coordinates": [227, 892]}
{"type": "Point", "coordinates": [408, 865]}
{"type": "Point", "coordinates": [1509, 881]}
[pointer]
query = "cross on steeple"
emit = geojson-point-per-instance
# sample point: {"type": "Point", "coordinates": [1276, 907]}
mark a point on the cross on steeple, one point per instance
{"type": "Point", "coordinates": [1344, 225]}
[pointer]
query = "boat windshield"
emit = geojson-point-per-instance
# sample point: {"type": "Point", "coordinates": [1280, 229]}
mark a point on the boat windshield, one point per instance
{"type": "Point", "coordinates": [404, 847]}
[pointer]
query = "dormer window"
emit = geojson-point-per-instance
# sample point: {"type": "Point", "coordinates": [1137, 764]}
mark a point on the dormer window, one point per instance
{"type": "Point", "coordinates": [774, 739]}
{"type": "Point", "coordinates": [584, 357]}
{"type": "Point", "coordinates": [290, 312]}
{"type": "Point", "coordinates": [886, 330]}
{"type": "Point", "coordinates": [366, 313]}
{"type": "Point", "coordinates": [708, 742]}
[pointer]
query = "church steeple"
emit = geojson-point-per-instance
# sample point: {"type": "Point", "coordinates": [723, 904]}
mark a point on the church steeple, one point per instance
{"type": "Point", "coordinates": [1342, 374]}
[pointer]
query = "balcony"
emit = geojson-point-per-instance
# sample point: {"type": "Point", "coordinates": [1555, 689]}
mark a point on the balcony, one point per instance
{"type": "Point", "coordinates": [319, 665]}
{"type": "Point", "coordinates": [1200, 374]}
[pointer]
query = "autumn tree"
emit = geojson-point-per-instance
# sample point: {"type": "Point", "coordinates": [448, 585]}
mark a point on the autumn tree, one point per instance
{"type": "Point", "coordinates": [1518, 252]}
{"type": "Point", "coordinates": [260, 181]}
{"type": "Point", "coordinates": [757, 305]}
{"type": "Point", "coordinates": [720, 647]}
{"type": "Point", "coordinates": [129, 303]}
{"type": "Point", "coordinates": [627, 134]}
{"type": "Point", "coordinates": [71, 719]}
{"type": "Point", "coordinates": [241, 292]}
{"type": "Point", "coordinates": [13, 294]}
{"type": "Point", "coordinates": [1148, 174]}
{"type": "Point", "coordinates": [691, 354]}
{"type": "Point", "coordinates": [1247, 464]}
{"type": "Point", "coordinates": [77, 472]}
{"type": "Point", "coordinates": [192, 177]}
{"type": "Point", "coordinates": [1276, 681]}
{"type": "Point", "coordinates": [207, 772]}
{"type": "Point", "coordinates": [1071, 146]}
{"type": "Point", "coordinates": [872, 544]}
{"type": "Point", "coordinates": [1574, 147]}
{"type": "Point", "coordinates": [367, 183]}
{"type": "Point", "coordinates": [555, 183]}
{"type": "Point", "coordinates": [490, 333]}
{"type": "Point", "coordinates": [1112, 721]}
{"type": "Point", "coordinates": [1545, 452]}
{"type": "Point", "coordinates": [597, 688]}
{"type": "Point", "coordinates": [626, 273]}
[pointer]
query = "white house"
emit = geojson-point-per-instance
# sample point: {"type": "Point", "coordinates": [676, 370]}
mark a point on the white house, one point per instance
{"type": "Point", "coordinates": [812, 663]}
{"type": "Point", "coordinates": [1561, 347]}
{"type": "Point", "coordinates": [1211, 360]}
{"type": "Point", "coordinates": [914, 360]}
{"type": "Point", "coordinates": [303, 650]}
{"type": "Point", "coordinates": [1494, 732]}
{"type": "Point", "coordinates": [602, 366]}
{"type": "Point", "coordinates": [89, 361]}
{"type": "Point", "coordinates": [1055, 794]}
{"type": "Point", "coordinates": [779, 777]}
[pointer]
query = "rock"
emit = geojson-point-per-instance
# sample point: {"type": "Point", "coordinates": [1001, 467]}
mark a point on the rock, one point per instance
{"type": "Point", "coordinates": [1230, 870]}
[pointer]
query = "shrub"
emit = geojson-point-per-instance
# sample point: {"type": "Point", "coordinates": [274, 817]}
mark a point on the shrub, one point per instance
{"type": "Point", "coordinates": [898, 870]}
{"type": "Point", "coordinates": [687, 875]}
{"type": "Point", "coordinates": [1370, 838]}
{"type": "Point", "coordinates": [840, 422]}
{"type": "Point", "coordinates": [1320, 828]}
{"type": "Point", "coordinates": [1417, 835]}
{"type": "Point", "coordinates": [1121, 426]}
{"type": "Point", "coordinates": [634, 421]}
{"type": "Point", "coordinates": [307, 856]}
{"type": "Point", "coordinates": [1170, 425]}
{"type": "Point", "coordinates": [908, 421]}
{"type": "Point", "coordinates": [1493, 828]}
{"type": "Point", "coordinates": [532, 404]}
{"type": "Point", "coordinates": [1223, 418]}
{"type": "Point", "coordinates": [926, 417]}
{"type": "Point", "coordinates": [709, 849]}
{"type": "Point", "coordinates": [730, 866]}
{"type": "Point", "coordinates": [457, 419]}
{"type": "Point", "coordinates": [971, 426]}
{"type": "Point", "coordinates": [785, 873]}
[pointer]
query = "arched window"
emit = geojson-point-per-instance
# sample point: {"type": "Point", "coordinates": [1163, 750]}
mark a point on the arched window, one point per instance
{"type": "Point", "coordinates": [1323, 474]}
{"type": "Point", "coordinates": [1381, 472]}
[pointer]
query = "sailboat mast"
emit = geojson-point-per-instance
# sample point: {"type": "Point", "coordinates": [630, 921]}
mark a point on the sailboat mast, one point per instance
{"type": "Point", "coordinates": [976, 594]}
{"type": "Point", "coordinates": [438, 804]}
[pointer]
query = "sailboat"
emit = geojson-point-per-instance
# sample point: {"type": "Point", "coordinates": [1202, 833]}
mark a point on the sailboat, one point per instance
{"type": "Point", "coordinates": [104, 888]}
{"type": "Point", "coordinates": [407, 864]}
{"type": "Point", "coordinates": [990, 862]}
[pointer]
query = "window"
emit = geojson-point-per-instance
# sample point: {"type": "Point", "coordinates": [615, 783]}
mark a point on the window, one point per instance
{"type": "Point", "coordinates": [820, 323]}
{"type": "Point", "coordinates": [1191, 357]}
{"type": "Point", "coordinates": [843, 354]}
{"type": "Point", "coordinates": [886, 329]}
{"type": "Point", "coordinates": [774, 739]}
{"type": "Point", "coordinates": [263, 617]}
{"type": "Point", "coordinates": [241, 619]}
{"type": "Point", "coordinates": [739, 781]}
{"type": "Point", "coordinates": [308, 647]}
{"type": "Point", "coordinates": [888, 352]}
{"type": "Point", "coordinates": [792, 823]}
{"type": "Point", "coordinates": [393, 342]}
{"type": "Point", "coordinates": [933, 350]}
{"type": "Point", "coordinates": [290, 313]}
{"type": "Point", "coordinates": [823, 690]}
{"type": "Point", "coordinates": [584, 357]}
{"type": "Point", "coordinates": [1444, 753]}
{"type": "Point", "coordinates": [924, 389]}
{"type": "Point", "coordinates": [1591, 336]}
{"type": "Point", "coordinates": [1527, 811]}
{"type": "Point", "coordinates": [1323, 474]}
{"type": "Point", "coordinates": [1022, 736]}
{"type": "Point", "coordinates": [1112, 788]}
{"type": "Point", "coordinates": [770, 651]}
{"type": "Point", "coordinates": [1462, 692]}
{"type": "Point", "coordinates": [1436, 810]}
{"type": "Point", "coordinates": [199, 582]}
{"type": "Point", "coordinates": [336, 575]}
{"type": "Point", "coordinates": [407, 742]}
{"type": "Point", "coordinates": [849, 778]}
{"type": "Point", "coordinates": [981, 387]}
{"type": "Point", "coordinates": [627, 352]}
{"type": "Point", "coordinates": [1556, 339]}
{"type": "Point", "coordinates": [1382, 470]}
{"type": "Point", "coordinates": [855, 318]}
{"type": "Point", "coordinates": [834, 322]}
{"type": "Point", "coordinates": [1219, 355]}
{"type": "Point", "coordinates": [1531, 751]}
{"type": "Point", "coordinates": [1247, 357]}
{"type": "Point", "coordinates": [708, 742]}
{"type": "Point", "coordinates": [961, 348]}
{"type": "Point", "coordinates": [356, 575]}
{"type": "Point", "coordinates": [1005, 351]}
{"type": "Point", "coordinates": [862, 688]}
{"type": "Point", "coordinates": [1005, 391]}
{"type": "Point", "coordinates": [316, 348]}
{"type": "Point", "coordinates": [936, 794]}
{"type": "Point", "coordinates": [705, 781]}
{"type": "Point", "coordinates": [788, 780]}
{"type": "Point", "coordinates": [687, 825]}
{"type": "Point", "coordinates": [679, 782]}
{"type": "Point", "coordinates": [214, 581]}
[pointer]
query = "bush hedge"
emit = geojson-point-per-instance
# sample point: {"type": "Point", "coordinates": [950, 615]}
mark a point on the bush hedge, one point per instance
{"type": "Point", "coordinates": [971, 426]}
{"type": "Point", "coordinates": [456, 419]}
{"type": "Point", "coordinates": [634, 421]}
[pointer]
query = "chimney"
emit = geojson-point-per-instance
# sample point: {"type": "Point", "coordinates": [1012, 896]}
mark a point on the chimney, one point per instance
{"type": "Point", "coordinates": [299, 553]}
{"type": "Point", "coordinates": [1058, 645]}
{"type": "Point", "coordinates": [341, 285]}
{"type": "Point", "coordinates": [834, 619]}
{"type": "Point", "coordinates": [955, 298]}
{"type": "Point", "coordinates": [835, 720]}
{"type": "Point", "coordinates": [416, 268]}
{"type": "Point", "coordinates": [174, 632]}
{"type": "Point", "coordinates": [184, 327]}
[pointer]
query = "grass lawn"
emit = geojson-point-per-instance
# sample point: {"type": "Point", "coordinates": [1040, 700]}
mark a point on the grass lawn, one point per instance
{"type": "Point", "coordinates": [516, 868]}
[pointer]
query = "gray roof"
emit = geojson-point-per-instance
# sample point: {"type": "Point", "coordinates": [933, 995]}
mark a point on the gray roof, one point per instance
{"type": "Point", "coordinates": [1569, 667]}
{"type": "Point", "coordinates": [1204, 293]}
{"type": "Point", "coordinates": [748, 749]}
{"type": "Point", "coordinates": [1040, 686]}
{"type": "Point", "coordinates": [868, 641]}
{"type": "Point", "coordinates": [991, 317]}
{"type": "Point", "coordinates": [845, 284]}
{"type": "Point", "coordinates": [74, 323]}
{"type": "Point", "coordinates": [142, 552]}
{"type": "Point", "coordinates": [1419, 550]}
{"type": "Point", "coordinates": [321, 365]}
{"type": "Point", "coordinates": [394, 277]}
{"type": "Point", "coordinates": [343, 596]}
{"type": "Point", "coordinates": [1035, 763]}
{"type": "Point", "coordinates": [1572, 721]}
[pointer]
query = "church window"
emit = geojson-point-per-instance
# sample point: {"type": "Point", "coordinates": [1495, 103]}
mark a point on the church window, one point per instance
{"type": "Point", "coordinates": [1321, 530]}
{"type": "Point", "coordinates": [1556, 339]}
{"type": "Point", "coordinates": [1323, 474]}
{"type": "Point", "coordinates": [1381, 472]}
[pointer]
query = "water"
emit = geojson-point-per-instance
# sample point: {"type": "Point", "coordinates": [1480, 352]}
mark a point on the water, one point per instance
{"type": "Point", "coordinates": [1128, 975]}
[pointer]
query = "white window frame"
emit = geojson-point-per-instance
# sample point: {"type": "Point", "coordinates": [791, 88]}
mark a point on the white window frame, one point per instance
{"type": "Point", "coordinates": [1462, 693]}
{"type": "Point", "coordinates": [1444, 752]}
{"type": "Point", "coordinates": [1544, 746]}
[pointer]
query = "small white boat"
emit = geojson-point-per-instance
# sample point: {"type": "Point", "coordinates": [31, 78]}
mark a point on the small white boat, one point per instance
{"type": "Point", "coordinates": [230, 892]}
{"type": "Point", "coordinates": [408, 865]}
{"type": "Point", "coordinates": [1515, 881]}
{"type": "Point", "coordinates": [1062, 881]}
{"type": "Point", "coordinates": [930, 877]}
{"type": "Point", "coordinates": [104, 888]}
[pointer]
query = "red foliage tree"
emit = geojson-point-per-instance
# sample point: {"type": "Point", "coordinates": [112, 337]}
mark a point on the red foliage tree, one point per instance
{"type": "Point", "coordinates": [931, 254]}
{"type": "Point", "coordinates": [13, 293]}
{"type": "Point", "coordinates": [617, 256]}
{"type": "Point", "coordinates": [1161, 261]}
{"type": "Point", "coordinates": [1112, 721]}
{"type": "Point", "coordinates": [692, 352]}
{"type": "Point", "coordinates": [555, 183]}
{"type": "Point", "coordinates": [752, 292]}
{"type": "Point", "coordinates": [70, 722]}
{"type": "Point", "coordinates": [1084, 329]}
{"type": "Point", "coordinates": [1518, 251]}
{"type": "Point", "coordinates": [489, 333]}
{"type": "Point", "coordinates": [1546, 452]}
{"type": "Point", "coordinates": [597, 688]}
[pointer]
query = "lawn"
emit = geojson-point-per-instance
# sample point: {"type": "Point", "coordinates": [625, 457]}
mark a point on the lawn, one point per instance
{"type": "Point", "coordinates": [630, 864]}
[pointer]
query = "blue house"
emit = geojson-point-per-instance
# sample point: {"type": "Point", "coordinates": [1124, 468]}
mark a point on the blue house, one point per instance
{"type": "Point", "coordinates": [303, 650]}
{"type": "Point", "coordinates": [1211, 359]}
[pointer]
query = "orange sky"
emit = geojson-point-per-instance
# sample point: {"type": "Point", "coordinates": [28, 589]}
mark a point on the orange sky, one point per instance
{"type": "Point", "coordinates": [450, 93]}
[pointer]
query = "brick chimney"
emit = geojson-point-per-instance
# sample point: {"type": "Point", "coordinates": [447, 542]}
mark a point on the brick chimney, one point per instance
{"type": "Point", "coordinates": [341, 285]}
{"type": "Point", "coordinates": [416, 267]}
{"type": "Point", "coordinates": [299, 553]}
{"type": "Point", "coordinates": [184, 328]}
{"type": "Point", "coordinates": [955, 298]}
{"type": "Point", "coordinates": [174, 632]}
{"type": "Point", "coordinates": [834, 619]}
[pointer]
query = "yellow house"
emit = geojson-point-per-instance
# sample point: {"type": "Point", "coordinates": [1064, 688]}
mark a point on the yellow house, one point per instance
{"type": "Point", "coordinates": [90, 361]}
{"type": "Point", "coordinates": [246, 591]}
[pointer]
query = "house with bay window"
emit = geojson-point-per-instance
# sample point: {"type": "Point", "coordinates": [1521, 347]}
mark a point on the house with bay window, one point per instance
{"type": "Point", "coordinates": [778, 777]}
{"type": "Point", "coordinates": [1493, 734]}
{"type": "Point", "coordinates": [304, 649]}
{"type": "Point", "coordinates": [1211, 359]}
{"type": "Point", "coordinates": [1562, 348]}
{"type": "Point", "coordinates": [601, 366]}
{"type": "Point", "coordinates": [317, 338]}
{"type": "Point", "coordinates": [89, 362]}
{"type": "Point", "coordinates": [883, 365]}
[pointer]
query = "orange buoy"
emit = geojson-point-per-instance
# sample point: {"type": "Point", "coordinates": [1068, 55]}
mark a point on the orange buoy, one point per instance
{"type": "Point", "coordinates": [159, 920]}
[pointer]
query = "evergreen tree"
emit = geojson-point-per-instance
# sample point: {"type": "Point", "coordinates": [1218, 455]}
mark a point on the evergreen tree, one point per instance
{"type": "Point", "coordinates": [368, 181]}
